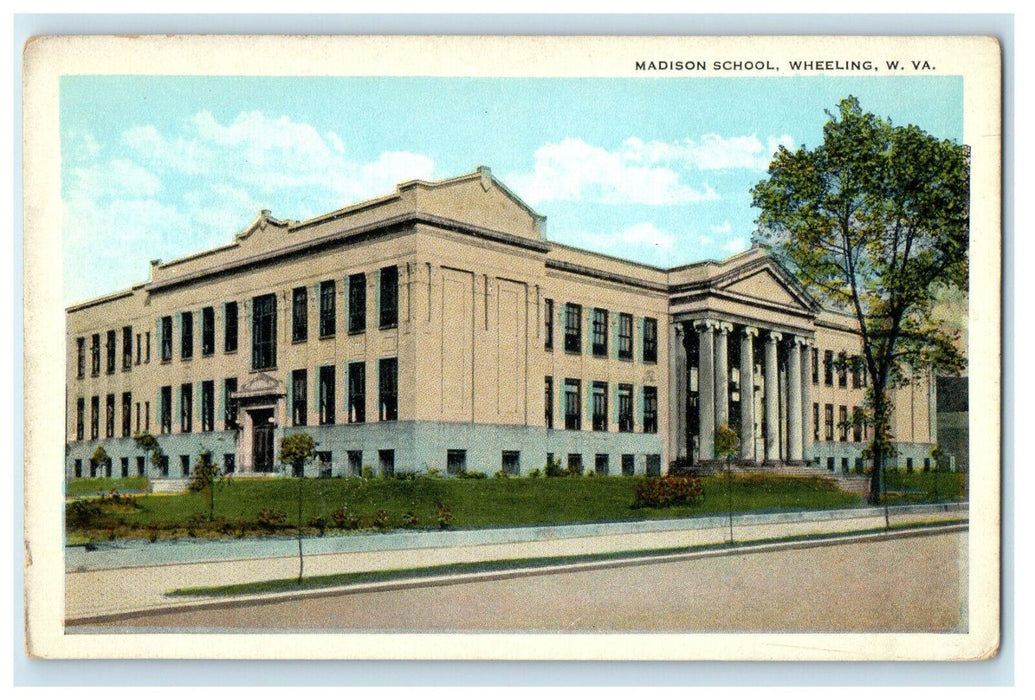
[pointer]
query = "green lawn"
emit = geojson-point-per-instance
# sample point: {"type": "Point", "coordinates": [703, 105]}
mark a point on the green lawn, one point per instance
{"type": "Point", "coordinates": [78, 487]}
{"type": "Point", "coordinates": [924, 487]}
{"type": "Point", "coordinates": [471, 503]}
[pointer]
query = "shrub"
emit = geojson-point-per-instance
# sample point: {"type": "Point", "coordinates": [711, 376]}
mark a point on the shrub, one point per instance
{"type": "Point", "coordinates": [409, 519]}
{"type": "Point", "coordinates": [433, 473]}
{"type": "Point", "coordinates": [443, 515]}
{"type": "Point", "coordinates": [381, 520]}
{"type": "Point", "coordinates": [501, 475]}
{"type": "Point", "coordinates": [668, 490]}
{"type": "Point", "coordinates": [270, 519]}
{"type": "Point", "coordinates": [367, 472]}
{"type": "Point", "coordinates": [575, 469]}
{"type": "Point", "coordinates": [319, 522]}
{"type": "Point", "coordinates": [82, 513]}
{"type": "Point", "coordinates": [535, 474]}
{"type": "Point", "coordinates": [553, 468]}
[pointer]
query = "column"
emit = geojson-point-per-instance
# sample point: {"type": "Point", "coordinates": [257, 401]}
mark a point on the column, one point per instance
{"type": "Point", "coordinates": [747, 393]}
{"type": "Point", "coordinates": [677, 381]}
{"type": "Point", "coordinates": [772, 399]}
{"type": "Point", "coordinates": [794, 436]}
{"type": "Point", "coordinates": [806, 400]}
{"type": "Point", "coordinates": [722, 374]}
{"type": "Point", "coordinates": [706, 388]}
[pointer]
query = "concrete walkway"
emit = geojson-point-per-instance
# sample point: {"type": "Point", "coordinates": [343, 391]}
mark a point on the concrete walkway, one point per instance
{"type": "Point", "coordinates": [135, 576]}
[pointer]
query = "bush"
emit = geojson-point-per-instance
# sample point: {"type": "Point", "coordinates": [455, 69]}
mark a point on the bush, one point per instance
{"type": "Point", "coordinates": [535, 474]}
{"type": "Point", "coordinates": [367, 472]}
{"type": "Point", "coordinates": [553, 468]}
{"type": "Point", "coordinates": [668, 490]}
{"type": "Point", "coordinates": [381, 520]}
{"type": "Point", "coordinates": [409, 519]}
{"type": "Point", "coordinates": [271, 519]}
{"type": "Point", "coordinates": [501, 475]}
{"type": "Point", "coordinates": [433, 473]}
{"type": "Point", "coordinates": [82, 513]}
{"type": "Point", "coordinates": [575, 469]}
{"type": "Point", "coordinates": [319, 522]}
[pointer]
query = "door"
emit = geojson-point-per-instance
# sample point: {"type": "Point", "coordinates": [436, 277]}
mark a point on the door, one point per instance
{"type": "Point", "coordinates": [262, 439]}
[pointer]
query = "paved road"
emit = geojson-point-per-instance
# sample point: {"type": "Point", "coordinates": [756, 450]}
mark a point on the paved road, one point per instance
{"type": "Point", "coordinates": [910, 584]}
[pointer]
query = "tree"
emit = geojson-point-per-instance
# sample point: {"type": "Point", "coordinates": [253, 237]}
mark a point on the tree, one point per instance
{"type": "Point", "coordinates": [204, 478]}
{"type": "Point", "coordinates": [100, 458]}
{"type": "Point", "coordinates": [296, 450]}
{"type": "Point", "coordinates": [149, 444]}
{"type": "Point", "coordinates": [875, 222]}
{"type": "Point", "coordinates": [727, 444]}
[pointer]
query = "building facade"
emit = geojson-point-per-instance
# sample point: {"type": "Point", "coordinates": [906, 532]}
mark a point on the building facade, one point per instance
{"type": "Point", "coordinates": [436, 327]}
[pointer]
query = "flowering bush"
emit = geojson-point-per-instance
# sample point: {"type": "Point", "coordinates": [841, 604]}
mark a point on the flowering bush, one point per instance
{"type": "Point", "coordinates": [381, 520]}
{"type": "Point", "coordinates": [444, 515]}
{"type": "Point", "coordinates": [668, 490]}
{"type": "Point", "coordinates": [271, 519]}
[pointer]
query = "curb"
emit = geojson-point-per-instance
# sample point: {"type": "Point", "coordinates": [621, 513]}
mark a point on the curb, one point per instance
{"type": "Point", "coordinates": [454, 579]}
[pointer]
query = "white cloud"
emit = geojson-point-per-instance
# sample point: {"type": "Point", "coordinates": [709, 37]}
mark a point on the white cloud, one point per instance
{"type": "Point", "coordinates": [641, 235]}
{"type": "Point", "coordinates": [724, 227]}
{"type": "Point", "coordinates": [710, 152]}
{"type": "Point", "coordinates": [735, 245]}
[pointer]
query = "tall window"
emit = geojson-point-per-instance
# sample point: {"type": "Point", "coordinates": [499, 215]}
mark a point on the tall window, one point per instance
{"type": "Point", "coordinates": [572, 328]}
{"type": "Point", "coordinates": [389, 297]}
{"type": "Point", "coordinates": [357, 303]}
{"type": "Point", "coordinates": [548, 329]}
{"type": "Point", "coordinates": [842, 370]}
{"type": "Point", "coordinates": [650, 409]}
{"type": "Point", "coordinates": [138, 349]}
{"type": "Point", "coordinates": [299, 314]}
{"type": "Point", "coordinates": [208, 330]}
{"type": "Point", "coordinates": [357, 392]}
{"type": "Point", "coordinates": [387, 387]}
{"type": "Point", "coordinates": [95, 354]}
{"type": "Point", "coordinates": [327, 395]}
{"type": "Point", "coordinates": [147, 345]}
{"type": "Point", "coordinates": [80, 357]}
{"type": "Point", "coordinates": [264, 332]}
{"type": "Point", "coordinates": [327, 321]}
{"type": "Point", "coordinates": [230, 326]}
{"type": "Point", "coordinates": [815, 367]}
{"type": "Point", "coordinates": [95, 415]}
{"type": "Point", "coordinates": [600, 332]}
{"type": "Point", "coordinates": [625, 408]}
{"type": "Point", "coordinates": [842, 422]}
{"type": "Point", "coordinates": [127, 414]}
{"type": "Point", "coordinates": [572, 404]}
{"type": "Point", "coordinates": [625, 336]}
{"type": "Point", "coordinates": [828, 367]}
{"type": "Point", "coordinates": [857, 421]}
{"type": "Point", "coordinates": [186, 335]}
{"type": "Point", "coordinates": [109, 416]}
{"type": "Point", "coordinates": [186, 408]}
{"type": "Point", "coordinates": [856, 371]}
{"type": "Point", "coordinates": [650, 340]}
{"type": "Point", "coordinates": [828, 422]}
{"type": "Point", "coordinates": [127, 347]}
{"type": "Point", "coordinates": [109, 348]}
{"type": "Point", "coordinates": [599, 405]}
{"type": "Point", "coordinates": [229, 403]}
{"type": "Point", "coordinates": [548, 401]}
{"type": "Point", "coordinates": [208, 406]}
{"type": "Point", "coordinates": [167, 338]}
{"type": "Point", "coordinates": [80, 418]}
{"type": "Point", "coordinates": [815, 419]}
{"type": "Point", "coordinates": [298, 397]}
{"type": "Point", "coordinates": [165, 409]}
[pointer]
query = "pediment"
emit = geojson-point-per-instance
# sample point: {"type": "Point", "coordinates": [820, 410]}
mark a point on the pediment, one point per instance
{"type": "Point", "coordinates": [762, 284]}
{"type": "Point", "coordinates": [765, 281]}
{"type": "Point", "coordinates": [261, 384]}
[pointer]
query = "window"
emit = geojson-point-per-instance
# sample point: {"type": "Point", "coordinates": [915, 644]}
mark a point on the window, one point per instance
{"type": "Point", "coordinates": [299, 315]}
{"type": "Point", "coordinates": [456, 461]}
{"type": "Point", "coordinates": [625, 336]}
{"type": "Point", "coordinates": [654, 465]}
{"type": "Point", "coordinates": [572, 404]}
{"type": "Point", "coordinates": [548, 401]}
{"type": "Point", "coordinates": [844, 465]}
{"type": "Point", "coordinates": [163, 465]}
{"type": "Point", "coordinates": [355, 458]}
{"type": "Point", "coordinates": [625, 408]}
{"type": "Point", "coordinates": [548, 311]}
{"type": "Point", "coordinates": [357, 303]}
{"type": "Point", "coordinates": [229, 404]}
{"type": "Point", "coordinates": [95, 354]}
{"type": "Point", "coordinates": [165, 409]}
{"type": "Point", "coordinates": [828, 422]}
{"type": "Point", "coordinates": [857, 421]}
{"type": "Point", "coordinates": [815, 421]}
{"type": "Point", "coordinates": [386, 462]}
{"type": "Point", "coordinates": [109, 348]}
{"type": "Point", "coordinates": [186, 408]}
{"type": "Point", "coordinates": [137, 429]}
{"type": "Point", "coordinates": [80, 418]}
{"type": "Point", "coordinates": [572, 328]}
{"type": "Point", "coordinates": [575, 463]}
{"type": "Point", "coordinates": [138, 349]}
{"type": "Point", "coordinates": [815, 366]}
{"type": "Point", "coordinates": [830, 464]}
{"type": "Point", "coordinates": [80, 357]}
{"type": "Point", "coordinates": [327, 320]}
{"type": "Point", "coordinates": [511, 462]}
{"type": "Point", "coordinates": [628, 465]}
{"type": "Point", "coordinates": [388, 398]}
{"type": "Point", "coordinates": [327, 395]}
{"type": "Point", "coordinates": [95, 415]}
{"type": "Point", "coordinates": [828, 367]}
{"type": "Point", "coordinates": [650, 340]}
{"type": "Point", "coordinates": [167, 338]}
{"type": "Point", "coordinates": [125, 466]}
{"type": "Point", "coordinates": [208, 406]}
{"type": "Point", "coordinates": [127, 414]}
{"type": "Point", "coordinates": [601, 464]}
{"type": "Point", "coordinates": [78, 469]}
{"type": "Point", "coordinates": [600, 332]}
{"type": "Point", "coordinates": [140, 466]}
{"type": "Point", "coordinates": [600, 406]}
{"type": "Point", "coordinates": [357, 392]}
{"type": "Point", "coordinates": [389, 288]}
{"type": "Point", "coordinates": [109, 415]}
{"type": "Point", "coordinates": [208, 330]}
{"type": "Point", "coordinates": [264, 332]}
{"type": "Point", "coordinates": [650, 409]}
{"type": "Point", "coordinates": [127, 347]}
{"type": "Point", "coordinates": [185, 465]}
{"type": "Point", "coordinates": [186, 335]}
{"type": "Point", "coordinates": [842, 370]}
{"type": "Point", "coordinates": [842, 422]}
{"type": "Point", "coordinates": [229, 463]}
{"type": "Point", "coordinates": [147, 339]}
{"type": "Point", "coordinates": [147, 416]}
{"type": "Point", "coordinates": [325, 460]}
{"type": "Point", "coordinates": [298, 397]}
{"type": "Point", "coordinates": [230, 326]}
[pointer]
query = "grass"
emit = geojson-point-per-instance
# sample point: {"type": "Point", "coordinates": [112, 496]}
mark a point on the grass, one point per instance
{"type": "Point", "coordinates": [903, 487]}
{"type": "Point", "coordinates": [79, 487]}
{"type": "Point", "coordinates": [472, 502]}
{"type": "Point", "coordinates": [346, 579]}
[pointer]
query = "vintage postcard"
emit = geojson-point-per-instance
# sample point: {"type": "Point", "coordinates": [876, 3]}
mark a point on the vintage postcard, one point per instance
{"type": "Point", "coordinates": [512, 347]}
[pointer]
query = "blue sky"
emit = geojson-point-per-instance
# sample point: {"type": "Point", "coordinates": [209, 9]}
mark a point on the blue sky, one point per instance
{"type": "Point", "coordinates": [654, 169]}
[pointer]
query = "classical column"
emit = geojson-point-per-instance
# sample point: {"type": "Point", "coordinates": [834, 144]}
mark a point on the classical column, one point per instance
{"type": "Point", "coordinates": [706, 388]}
{"type": "Point", "coordinates": [794, 436]}
{"type": "Point", "coordinates": [747, 393]}
{"type": "Point", "coordinates": [806, 400]}
{"type": "Point", "coordinates": [677, 381]}
{"type": "Point", "coordinates": [772, 399]}
{"type": "Point", "coordinates": [722, 374]}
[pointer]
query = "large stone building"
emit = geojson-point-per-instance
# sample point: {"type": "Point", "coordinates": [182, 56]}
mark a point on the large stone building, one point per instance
{"type": "Point", "coordinates": [436, 327]}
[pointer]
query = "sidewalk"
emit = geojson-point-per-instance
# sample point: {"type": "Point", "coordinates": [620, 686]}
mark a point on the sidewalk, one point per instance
{"type": "Point", "coordinates": [134, 576]}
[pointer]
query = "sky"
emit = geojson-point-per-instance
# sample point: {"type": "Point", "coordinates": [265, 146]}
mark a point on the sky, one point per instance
{"type": "Point", "coordinates": [657, 170]}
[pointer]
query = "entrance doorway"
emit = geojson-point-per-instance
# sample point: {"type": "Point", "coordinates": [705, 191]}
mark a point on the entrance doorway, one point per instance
{"type": "Point", "coordinates": [262, 439]}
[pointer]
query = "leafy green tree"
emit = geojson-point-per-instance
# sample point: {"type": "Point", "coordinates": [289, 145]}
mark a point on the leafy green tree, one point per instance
{"type": "Point", "coordinates": [875, 222]}
{"type": "Point", "coordinates": [100, 459]}
{"type": "Point", "coordinates": [296, 450]}
{"type": "Point", "coordinates": [204, 477]}
{"type": "Point", "coordinates": [149, 444]}
{"type": "Point", "coordinates": [727, 442]}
